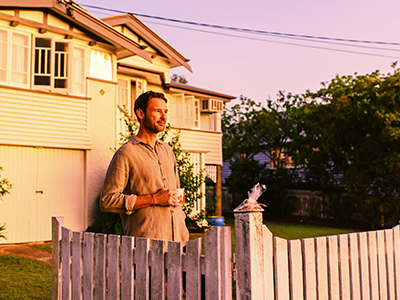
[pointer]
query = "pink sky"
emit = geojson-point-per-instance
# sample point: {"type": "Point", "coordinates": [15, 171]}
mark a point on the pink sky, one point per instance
{"type": "Point", "coordinates": [258, 69]}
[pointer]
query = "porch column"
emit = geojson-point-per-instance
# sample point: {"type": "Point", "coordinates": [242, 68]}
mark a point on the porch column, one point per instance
{"type": "Point", "coordinates": [218, 192]}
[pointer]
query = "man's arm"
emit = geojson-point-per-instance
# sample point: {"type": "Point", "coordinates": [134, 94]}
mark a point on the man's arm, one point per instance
{"type": "Point", "coordinates": [114, 200]}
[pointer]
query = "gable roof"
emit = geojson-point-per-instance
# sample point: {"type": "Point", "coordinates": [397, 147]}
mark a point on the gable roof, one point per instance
{"type": "Point", "coordinates": [199, 92]}
{"type": "Point", "coordinates": [75, 14]}
{"type": "Point", "coordinates": [139, 28]}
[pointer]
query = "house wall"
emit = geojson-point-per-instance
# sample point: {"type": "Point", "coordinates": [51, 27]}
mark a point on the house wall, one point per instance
{"type": "Point", "coordinates": [103, 135]}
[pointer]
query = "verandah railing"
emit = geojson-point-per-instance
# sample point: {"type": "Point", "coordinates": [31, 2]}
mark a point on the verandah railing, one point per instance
{"type": "Point", "coordinates": [363, 265]}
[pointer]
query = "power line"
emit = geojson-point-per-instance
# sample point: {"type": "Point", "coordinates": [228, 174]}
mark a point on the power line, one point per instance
{"type": "Point", "coordinates": [263, 32]}
{"type": "Point", "coordinates": [285, 43]}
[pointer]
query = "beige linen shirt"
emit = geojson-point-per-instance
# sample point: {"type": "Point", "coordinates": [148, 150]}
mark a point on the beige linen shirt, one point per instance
{"type": "Point", "coordinates": [137, 169]}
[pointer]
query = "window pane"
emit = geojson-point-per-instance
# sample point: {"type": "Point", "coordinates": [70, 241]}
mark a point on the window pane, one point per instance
{"type": "Point", "coordinates": [100, 65]}
{"type": "Point", "coordinates": [3, 55]}
{"type": "Point", "coordinates": [61, 55]}
{"type": "Point", "coordinates": [19, 62]}
{"type": "Point", "coordinates": [42, 80]}
{"type": "Point", "coordinates": [42, 43]}
{"type": "Point", "coordinates": [79, 70]}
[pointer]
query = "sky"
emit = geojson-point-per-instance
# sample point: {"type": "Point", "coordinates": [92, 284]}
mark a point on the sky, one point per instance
{"type": "Point", "coordinates": [260, 66]}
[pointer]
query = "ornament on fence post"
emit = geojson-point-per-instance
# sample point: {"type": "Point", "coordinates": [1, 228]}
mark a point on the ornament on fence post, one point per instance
{"type": "Point", "coordinates": [251, 203]}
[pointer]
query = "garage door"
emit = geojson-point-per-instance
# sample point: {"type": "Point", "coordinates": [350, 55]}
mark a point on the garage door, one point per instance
{"type": "Point", "coordinates": [46, 182]}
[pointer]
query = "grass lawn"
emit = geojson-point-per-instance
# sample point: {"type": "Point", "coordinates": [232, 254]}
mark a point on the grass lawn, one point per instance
{"type": "Point", "coordinates": [296, 231]}
{"type": "Point", "coordinates": [23, 278]}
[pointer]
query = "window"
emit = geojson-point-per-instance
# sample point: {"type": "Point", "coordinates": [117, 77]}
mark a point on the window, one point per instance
{"type": "Point", "coordinates": [51, 66]}
{"type": "Point", "coordinates": [20, 60]}
{"type": "Point", "coordinates": [100, 65]}
{"type": "Point", "coordinates": [41, 62]}
{"type": "Point", "coordinates": [3, 55]}
{"type": "Point", "coordinates": [79, 71]}
{"type": "Point", "coordinates": [196, 113]}
{"type": "Point", "coordinates": [128, 91]}
{"type": "Point", "coordinates": [14, 58]}
{"type": "Point", "coordinates": [189, 111]}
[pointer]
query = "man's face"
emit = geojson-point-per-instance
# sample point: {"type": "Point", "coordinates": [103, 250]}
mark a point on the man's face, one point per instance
{"type": "Point", "coordinates": [155, 118]}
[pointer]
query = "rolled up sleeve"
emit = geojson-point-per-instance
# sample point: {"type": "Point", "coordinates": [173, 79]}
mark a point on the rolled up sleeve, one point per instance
{"type": "Point", "coordinates": [113, 198]}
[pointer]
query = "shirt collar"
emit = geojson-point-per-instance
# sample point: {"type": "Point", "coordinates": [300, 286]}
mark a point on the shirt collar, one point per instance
{"type": "Point", "coordinates": [135, 140]}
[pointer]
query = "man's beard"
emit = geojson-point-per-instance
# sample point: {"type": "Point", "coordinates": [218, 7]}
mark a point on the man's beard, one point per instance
{"type": "Point", "coordinates": [152, 127]}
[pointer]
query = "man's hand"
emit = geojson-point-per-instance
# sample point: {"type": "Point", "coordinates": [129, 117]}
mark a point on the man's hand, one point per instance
{"type": "Point", "coordinates": [166, 197]}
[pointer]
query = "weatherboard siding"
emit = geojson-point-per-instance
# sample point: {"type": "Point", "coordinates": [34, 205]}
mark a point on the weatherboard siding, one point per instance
{"type": "Point", "coordinates": [40, 119]}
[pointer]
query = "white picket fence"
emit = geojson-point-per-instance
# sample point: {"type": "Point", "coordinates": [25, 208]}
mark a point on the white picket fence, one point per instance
{"type": "Point", "coordinates": [363, 265]}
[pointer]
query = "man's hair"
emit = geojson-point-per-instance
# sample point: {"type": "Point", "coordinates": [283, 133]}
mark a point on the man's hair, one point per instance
{"type": "Point", "coordinates": [143, 100]}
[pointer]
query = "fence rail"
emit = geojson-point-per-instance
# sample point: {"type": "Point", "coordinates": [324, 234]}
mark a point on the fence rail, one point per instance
{"type": "Point", "coordinates": [364, 265]}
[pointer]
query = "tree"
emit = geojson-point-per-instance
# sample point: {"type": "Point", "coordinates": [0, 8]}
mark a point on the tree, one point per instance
{"type": "Point", "coordinates": [250, 129]}
{"type": "Point", "coordinates": [347, 134]}
{"type": "Point", "coordinates": [179, 79]}
{"type": "Point", "coordinates": [5, 187]}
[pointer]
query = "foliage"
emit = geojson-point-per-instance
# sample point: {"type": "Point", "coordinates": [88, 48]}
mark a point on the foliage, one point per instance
{"type": "Point", "coordinates": [250, 130]}
{"type": "Point", "coordinates": [179, 78]}
{"type": "Point", "coordinates": [342, 140]}
{"type": "Point", "coordinates": [105, 222]}
{"type": "Point", "coordinates": [349, 132]}
{"type": "Point", "coordinates": [5, 187]}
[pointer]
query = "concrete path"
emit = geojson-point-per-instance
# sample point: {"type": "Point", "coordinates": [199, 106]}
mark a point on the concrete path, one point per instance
{"type": "Point", "coordinates": [26, 251]}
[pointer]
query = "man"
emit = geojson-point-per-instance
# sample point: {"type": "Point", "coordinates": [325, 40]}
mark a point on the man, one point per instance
{"type": "Point", "coordinates": [142, 176]}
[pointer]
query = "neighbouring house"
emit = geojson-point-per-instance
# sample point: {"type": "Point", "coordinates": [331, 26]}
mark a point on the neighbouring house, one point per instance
{"type": "Point", "coordinates": [63, 73]}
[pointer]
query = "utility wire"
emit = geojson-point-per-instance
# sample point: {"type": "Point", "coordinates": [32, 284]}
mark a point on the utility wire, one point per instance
{"type": "Point", "coordinates": [285, 43]}
{"type": "Point", "coordinates": [263, 32]}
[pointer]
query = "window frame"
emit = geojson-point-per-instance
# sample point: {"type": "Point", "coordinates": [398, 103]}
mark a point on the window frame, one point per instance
{"type": "Point", "coordinates": [69, 67]}
{"type": "Point", "coordinates": [10, 56]}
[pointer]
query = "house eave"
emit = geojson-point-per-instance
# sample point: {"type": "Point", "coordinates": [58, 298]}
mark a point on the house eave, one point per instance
{"type": "Point", "coordinates": [150, 36]}
{"type": "Point", "coordinates": [77, 15]}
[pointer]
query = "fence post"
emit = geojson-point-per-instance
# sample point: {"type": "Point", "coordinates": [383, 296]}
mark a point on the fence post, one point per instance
{"type": "Point", "coordinates": [56, 223]}
{"type": "Point", "coordinates": [249, 256]}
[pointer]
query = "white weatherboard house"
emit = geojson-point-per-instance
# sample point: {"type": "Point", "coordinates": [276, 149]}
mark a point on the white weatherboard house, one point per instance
{"type": "Point", "coordinates": [63, 73]}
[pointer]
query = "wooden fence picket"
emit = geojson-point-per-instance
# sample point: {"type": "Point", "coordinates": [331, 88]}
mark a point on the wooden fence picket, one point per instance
{"type": "Point", "coordinates": [354, 267]}
{"type": "Point", "coordinates": [77, 265]}
{"type": "Point", "coordinates": [174, 266]}
{"type": "Point", "coordinates": [295, 270]}
{"type": "Point", "coordinates": [333, 268]}
{"type": "Point", "coordinates": [364, 265]}
{"type": "Point", "coordinates": [268, 245]}
{"type": "Point", "coordinates": [66, 263]}
{"type": "Point", "coordinates": [157, 289]}
{"type": "Point", "coordinates": [344, 266]}
{"type": "Point", "coordinates": [226, 263]}
{"type": "Point", "coordinates": [193, 271]}
{"type": "Point", "coordinates": [88, 265]}
{"type": "Point", "coordinates": [127, 281]}
{"type": "Point", "coordinates": [396, 246]}
{"type": "Point", "coordinates": [390, 263]}
{"type": "Point", "coordinates": [100, 267]}
{"type": "Point", "coordinates": [113, 267]}
{"type": "Point", "coordinates": [310, 280]}
{"type": "Point", "coordinates": [382, 271]}
{"type": "Point", "coordinates": [281, 264]}
{"type": "Point", "coordinates": [212, 245]}
{"type": "Point", "coordinates": [56, 223]}
{"type": "Point", "coordinates": [142, 268]}
{"type": "Point", "coordinates": [322, 267]}
{"type": "Point", "coordinates": [373, 265]}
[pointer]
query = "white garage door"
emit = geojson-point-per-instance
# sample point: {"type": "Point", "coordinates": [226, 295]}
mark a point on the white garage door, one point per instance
{"type": "Point", "coordinates": [46, 182]}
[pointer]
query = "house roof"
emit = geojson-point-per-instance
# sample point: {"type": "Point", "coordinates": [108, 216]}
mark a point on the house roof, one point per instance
{"type": "Point", "coordinates": [199, 92]}
{"type": "Point", "coordinates": [75, 14]}
{"type": "Point", "coordinates": [150, 37]}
